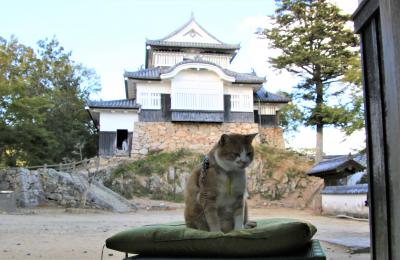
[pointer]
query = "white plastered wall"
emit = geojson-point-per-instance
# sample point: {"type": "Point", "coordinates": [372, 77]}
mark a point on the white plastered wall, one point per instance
{"type": "Point", "coordinates": [352, 204]}
{"type": "Point", "coordinates": [237, 89]}
{"type": "Point", "coordinates": [162, 87]}
{"type": "Point", "coordinates": [110, 120]}
{"type": "Point", "coordinates": [201, 83]}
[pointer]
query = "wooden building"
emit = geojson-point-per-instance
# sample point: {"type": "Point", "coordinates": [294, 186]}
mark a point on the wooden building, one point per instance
{"type": "Point", "coordinates": [185, 79]}
{"type": "Point", "coordinates": [335, 171]}
{"type": "Point", "coordinates": [338, 197]}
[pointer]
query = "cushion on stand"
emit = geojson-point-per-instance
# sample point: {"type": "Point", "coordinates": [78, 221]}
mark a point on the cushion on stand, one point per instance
{"type": "Point", "coordinates": [270, 237]}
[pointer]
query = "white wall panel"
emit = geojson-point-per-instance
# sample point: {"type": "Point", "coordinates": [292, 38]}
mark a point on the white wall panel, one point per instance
{"type": "Point", "coordinates": [111, 121]}
{"type": "Point", "coordinates": [344, 204]}
{"type": "Point", "coordinates": [197, 90]}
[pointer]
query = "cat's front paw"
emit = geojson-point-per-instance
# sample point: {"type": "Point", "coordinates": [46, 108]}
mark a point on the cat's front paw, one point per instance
{"type": "Point", "coordinates": [250, 224]}
{"type": "Point", "coordinates": [215, 230]}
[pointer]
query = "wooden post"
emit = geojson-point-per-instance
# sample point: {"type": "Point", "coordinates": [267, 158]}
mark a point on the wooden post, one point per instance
{"type": "Point", "coordinates": [97, 163]}
{"type": "Point", "coordinates": [73, 166]}
{"type": "Point", "coordinates": [60, 167]}
{"type": "Point", "coordinates": [377, 22]}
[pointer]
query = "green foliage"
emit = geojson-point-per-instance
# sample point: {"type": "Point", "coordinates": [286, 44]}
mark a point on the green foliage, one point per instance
{"type": "Point", "coordinates": [42, 116]}
{"type": "Point", "coordinates": [354, 119]}
{"type": "Point", "coordinates": [290, 116]}
{"type": "Point", "coordinates": [273, 157]}
{"type": "Point", "coordinates": [145, 169]}
{"type": "Point", "coordinates": [158, 163]}
{"type": "Point", "coordinates": [169, 197]}
{"type": "Point", "coordinates": [293, 172]}
{"type": "Point", "coordinates": [315, 45]}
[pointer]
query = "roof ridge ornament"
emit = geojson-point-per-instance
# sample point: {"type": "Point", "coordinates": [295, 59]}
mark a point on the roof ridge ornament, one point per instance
{"type": "Point", "coordinates": [350, 156]}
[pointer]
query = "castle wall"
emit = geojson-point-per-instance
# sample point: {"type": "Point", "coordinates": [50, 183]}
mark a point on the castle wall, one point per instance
{"type": "Point", "coordinates": [167, 136]}
{"type": "Point", "coordinates": [272, 136]}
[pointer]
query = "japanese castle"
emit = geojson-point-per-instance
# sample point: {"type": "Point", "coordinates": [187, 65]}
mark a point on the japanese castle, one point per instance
{"type": "Point", "coordinates": [186, 90]}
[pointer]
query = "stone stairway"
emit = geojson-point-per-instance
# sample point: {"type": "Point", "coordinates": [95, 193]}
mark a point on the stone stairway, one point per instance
{"type": "Point", "coordinates": [108, 199]}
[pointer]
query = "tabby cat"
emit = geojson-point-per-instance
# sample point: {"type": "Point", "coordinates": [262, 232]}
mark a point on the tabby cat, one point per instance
{"type": "Point", "coordinates": [215, 192]}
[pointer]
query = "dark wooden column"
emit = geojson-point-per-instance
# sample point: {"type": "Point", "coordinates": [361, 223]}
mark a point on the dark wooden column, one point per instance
{"type": "Point", "coordinates": [378, 23]}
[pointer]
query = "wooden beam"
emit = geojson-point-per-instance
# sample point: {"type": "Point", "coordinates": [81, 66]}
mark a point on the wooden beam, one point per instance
{"type": "Point", "coordinates": [390, 24]}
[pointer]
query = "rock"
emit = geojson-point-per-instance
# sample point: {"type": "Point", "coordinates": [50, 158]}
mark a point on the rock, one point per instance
{"type": "Point", "coordinates": [284, 179]}
{"type": "Point", "coordinates": [54, 196]}
{"type": "Point", "coordinates": [171, 173]}
{"type": "Point", "coordinates": [154, 183]}
{"type": "Point", "coordinates": [143, 151]}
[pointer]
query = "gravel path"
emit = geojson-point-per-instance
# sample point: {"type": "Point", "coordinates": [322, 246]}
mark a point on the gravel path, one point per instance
{"type": "Point", "coordinates": [80, 234]}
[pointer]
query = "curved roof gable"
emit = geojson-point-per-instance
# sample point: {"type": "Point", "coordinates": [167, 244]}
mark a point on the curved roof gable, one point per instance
{"type": "Point", "coordinates": [173, 71]}
{"type": "Point", "coordinates": [191, 31]}
{"type": "Point", "coordinates": [155, 73]}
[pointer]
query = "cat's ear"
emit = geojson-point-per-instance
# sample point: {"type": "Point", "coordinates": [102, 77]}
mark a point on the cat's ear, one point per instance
{"type": "Point", "coordinates": [250, 137]}
{"type": "Point", "coordinates": [224, 139]}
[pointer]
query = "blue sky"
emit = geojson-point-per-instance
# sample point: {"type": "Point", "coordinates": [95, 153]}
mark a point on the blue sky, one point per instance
{"type": "Point", "coordinates": [109, 36]}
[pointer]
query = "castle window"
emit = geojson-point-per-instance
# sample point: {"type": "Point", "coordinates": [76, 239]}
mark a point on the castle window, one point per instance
{"type": "Point", "coordinates": [149, 100]}
{"type": "Point", "coordinates": [241, 103]}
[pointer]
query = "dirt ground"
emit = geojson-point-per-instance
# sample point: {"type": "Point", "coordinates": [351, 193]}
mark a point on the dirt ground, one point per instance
{"type": "Point", "coordinates": [54, 233]}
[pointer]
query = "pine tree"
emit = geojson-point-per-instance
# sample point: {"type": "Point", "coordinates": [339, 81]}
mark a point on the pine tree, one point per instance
{"type": "Point", "coordinates": [316, 45]}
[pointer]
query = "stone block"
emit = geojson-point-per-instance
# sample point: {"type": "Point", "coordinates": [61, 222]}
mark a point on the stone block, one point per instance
{"type": "Point", "coordinates": [8, 201]}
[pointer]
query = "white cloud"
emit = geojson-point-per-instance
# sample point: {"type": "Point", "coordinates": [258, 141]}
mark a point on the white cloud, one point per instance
{"type": "Point", "coordinates": [348, 6]}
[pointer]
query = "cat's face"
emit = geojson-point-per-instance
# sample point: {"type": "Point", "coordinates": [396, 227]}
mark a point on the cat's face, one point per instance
{"type": "Point", "coordinates": [235, 151]}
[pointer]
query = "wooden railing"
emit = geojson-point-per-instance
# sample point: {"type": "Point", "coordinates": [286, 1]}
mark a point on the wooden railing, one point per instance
{"type": "Point", "coordinates": [65, 167]}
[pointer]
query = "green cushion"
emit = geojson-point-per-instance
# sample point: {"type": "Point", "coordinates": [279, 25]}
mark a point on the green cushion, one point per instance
{"type": "Point", "coordinates": [270, 237]}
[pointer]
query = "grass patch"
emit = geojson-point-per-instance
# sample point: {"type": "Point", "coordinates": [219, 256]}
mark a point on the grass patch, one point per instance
{"type": "Point", "coordinates": [159, 163]}
{"type": "Point", "coordinates": [137, 177]}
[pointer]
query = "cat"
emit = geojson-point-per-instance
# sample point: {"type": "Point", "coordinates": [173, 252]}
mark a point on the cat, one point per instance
{"type": "Point", "coordinates": [215, 192]}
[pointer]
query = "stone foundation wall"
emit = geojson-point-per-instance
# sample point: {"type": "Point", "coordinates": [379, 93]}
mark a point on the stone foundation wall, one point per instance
{"type": "Point", "coordinates": [44, 187]}
{"type": "Point", "coordinates": [272, 136]}
{"type": "Point", "coordinates": [167, 136]}
{"type": "Point", "coordinates": [41, 187]}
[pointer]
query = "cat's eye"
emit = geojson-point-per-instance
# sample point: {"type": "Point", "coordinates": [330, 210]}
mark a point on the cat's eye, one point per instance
{"type": "Point", "coordinates": [236, 154]}
{"type": "Point", "coordinates": [249, 154]}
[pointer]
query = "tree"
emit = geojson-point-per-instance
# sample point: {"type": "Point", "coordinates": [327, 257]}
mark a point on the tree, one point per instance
{"type": "Point", "coordinates": [315, 45]}
{"type": "Point", "coordinates": [354, 119]}
{"type": "Point", "coordinates": [42, 116]}
{"type": "Point", "coordinates": [290, 115]}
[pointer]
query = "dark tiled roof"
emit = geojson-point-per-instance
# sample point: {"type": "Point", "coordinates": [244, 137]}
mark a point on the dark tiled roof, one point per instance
{"type": "Point", "coordinates": [117, 104]}
{"type": "Point", "coordinates": [245, 77]}
{"type": "Point", "coordinates": [265, 96]}
{"type": "Point", "coordinates": [154, 73]}
{"type": "Point", "coordinates": [335, 165]}
{"type": "Point", "coordinates": [151, 73]}
{"type": "Point", "coordinates": [216, 46]}
{"type": "Point", "coordinates": [351, 189]}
